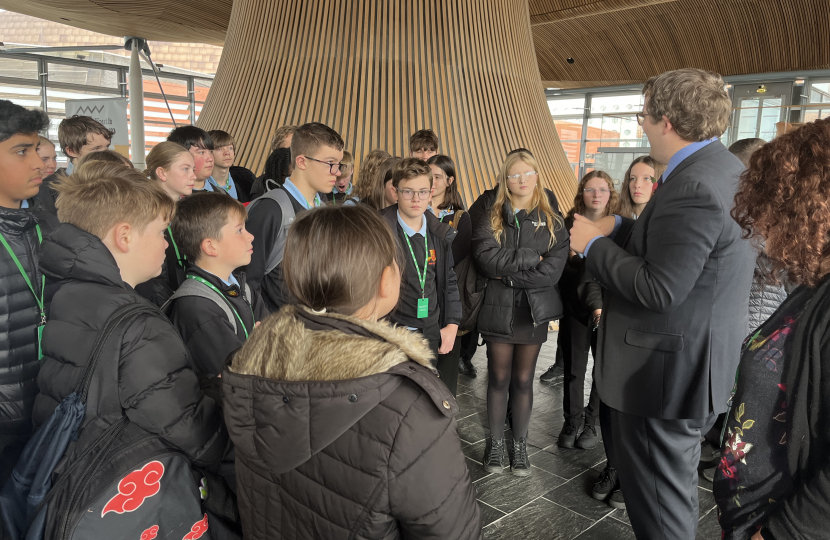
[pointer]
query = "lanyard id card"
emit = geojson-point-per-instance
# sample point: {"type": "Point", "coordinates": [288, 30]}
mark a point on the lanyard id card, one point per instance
{"type": "Point", "coordinates": [38, 300]}
{"type": "Point", "coordinates": [423, 303]}
{"type": "Point", "coordinates": [423, 308]}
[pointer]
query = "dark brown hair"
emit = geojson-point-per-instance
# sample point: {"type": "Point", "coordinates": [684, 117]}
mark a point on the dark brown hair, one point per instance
{"type": "Point", "coordinates": [783, 199]}
{"type": "Point", "coordinates": [626, 204]}
{"type": "Point", "coordinates": [579, 199]}
{"type": "Point", "coordinates": [423, 139]}
{"type": "Point", "coordinates": [74, 132]}
{"type": "Point", "coordinates": [695, 102]}
{"type": "Point", "coordinates": [335, 257]}
{"type": "Point", "coordinates": [309, 138]}
{"type": "Point", "coordinates": [409, 168]}
{"type": "Point", "coordinates": [107, 156]}
{"type": "Point", "coordinates": [221, 138]}
{"type": "Point", "coordinates": [201, 216]}
{"type": "Point", "coordinates": [744, 149]}
{"type": "Point", "coordinates": [451, 197]}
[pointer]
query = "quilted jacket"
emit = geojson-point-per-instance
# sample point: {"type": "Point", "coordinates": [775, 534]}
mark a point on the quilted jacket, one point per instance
{"type": "Point", "coordinates": [343, 430]}
{"type": "Point", "coordinates": [19, 318]}
{"type": "Point", "coordinates": [764, 299]}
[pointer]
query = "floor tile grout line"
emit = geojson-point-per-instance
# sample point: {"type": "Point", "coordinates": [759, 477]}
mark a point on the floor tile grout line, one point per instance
{"type": "Point", "coordinates": [574, 511]}
{"type": "Point", "coordinates": [514, 511]}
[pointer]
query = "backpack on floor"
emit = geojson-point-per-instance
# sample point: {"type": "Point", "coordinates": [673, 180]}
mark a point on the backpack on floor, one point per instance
{"type": "Point", "coordinates": [89, 473]}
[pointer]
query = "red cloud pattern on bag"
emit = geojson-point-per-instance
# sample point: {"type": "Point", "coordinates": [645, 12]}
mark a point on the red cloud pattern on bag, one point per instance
{"type": "Point", "coordinates": [134, 488]}
{"type": "Point", "coordinates": [150, 533]}
{"type": "Point", "coordinates": [197, 530]}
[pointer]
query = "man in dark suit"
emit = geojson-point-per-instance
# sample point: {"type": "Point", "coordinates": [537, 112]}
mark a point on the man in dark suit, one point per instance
{"type": "Point", "coordinates": [675, 309]}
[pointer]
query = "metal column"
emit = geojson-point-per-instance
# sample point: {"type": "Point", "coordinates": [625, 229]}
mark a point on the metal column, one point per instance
{"type": "Point", "coordinates": [137, 146]}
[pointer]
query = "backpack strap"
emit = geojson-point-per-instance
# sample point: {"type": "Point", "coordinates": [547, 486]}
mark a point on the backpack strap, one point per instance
{"type": "Point", "coordinates": [456, 219]}
{"type": "Point", "coordinates": [128, 311]}
{"type": "Point", "coordinates": [280, 196]}
{"type": "Point", "coordinates": [191, 287]}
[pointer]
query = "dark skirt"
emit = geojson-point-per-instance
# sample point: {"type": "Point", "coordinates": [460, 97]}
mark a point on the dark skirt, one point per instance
{"type": "Point", "coordinates": [524, 333]}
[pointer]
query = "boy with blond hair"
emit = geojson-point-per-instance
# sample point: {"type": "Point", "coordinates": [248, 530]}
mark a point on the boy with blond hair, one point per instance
{"type": "Point", "coordinates": [111, 239]}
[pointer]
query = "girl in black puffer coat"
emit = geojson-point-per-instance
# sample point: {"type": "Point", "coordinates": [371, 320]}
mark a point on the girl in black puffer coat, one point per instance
{"type": "Point", "coordinates": [520, 245]}
{"type": "Point", "coordinates": [342, 427]}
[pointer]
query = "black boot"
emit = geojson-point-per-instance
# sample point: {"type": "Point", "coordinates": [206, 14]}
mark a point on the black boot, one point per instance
{"type": "Point", "coordinates": [567, 437]}
{"type": "Point", "coordinates": [466, 367]}
{"type": "Point", "coordinates": [520, 465]}
{"type": "Point", "coordinates": [606, 484]}
{"type": "Point", "coordinates": [588, 439]}
{"type": "Point", "coordinates": [494, 459]}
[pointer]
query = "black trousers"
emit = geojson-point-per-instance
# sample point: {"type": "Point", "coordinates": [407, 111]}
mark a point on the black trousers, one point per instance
{"type": "Point", "coordinates": [469, 344]}
{"type": "Point", "coordinates": [576, 340]}
{"type": "Point", "coordinates": [446, 364]}
{"type": "Point", "coordinates": [657, 460]}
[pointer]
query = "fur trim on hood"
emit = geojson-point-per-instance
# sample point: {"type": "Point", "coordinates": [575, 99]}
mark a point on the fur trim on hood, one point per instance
{"type": "Point", "coordinates": [297, 344]}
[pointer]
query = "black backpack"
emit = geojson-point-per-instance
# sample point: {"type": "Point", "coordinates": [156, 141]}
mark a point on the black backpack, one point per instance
{"type": "Point", "coordinates": [470, 287]}
{"type": "Point", "coordinates": [83, 475]}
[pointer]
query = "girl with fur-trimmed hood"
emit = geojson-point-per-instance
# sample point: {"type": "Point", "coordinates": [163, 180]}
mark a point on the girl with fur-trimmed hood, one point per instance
{"type": "Point", "coordinates": [342, 427]}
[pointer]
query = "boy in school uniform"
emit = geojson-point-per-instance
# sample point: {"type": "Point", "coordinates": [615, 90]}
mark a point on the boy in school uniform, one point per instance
{"type": "Point", "coordinates": [214, 310]}
{"type": "Point", "coordinates": [110, 239]}
{"type": "Point", "coordinates": [343, 185]}
{"type": "Point", "coordinates": [200, 145]}
{"type": "Point", "coordinates": [317, 154]}
{"type": "Point", "coordinates": [22, 286]}
{"type": "Point", "coordinates": [236, 181]}
{"type": "Point", "coordinates": [429, 301]}
{"type": "Point", "coordinates": [77, 136]}
{"type": "Point", "coordinates": [423, 144]}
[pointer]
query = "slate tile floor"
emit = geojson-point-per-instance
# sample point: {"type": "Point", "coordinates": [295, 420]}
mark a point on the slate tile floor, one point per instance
{"type": "Point", "coordinates": [555, 502]}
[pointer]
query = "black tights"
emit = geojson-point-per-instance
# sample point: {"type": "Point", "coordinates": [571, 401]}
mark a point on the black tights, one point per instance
{"type": "Point", "coordinates": [510, 367]}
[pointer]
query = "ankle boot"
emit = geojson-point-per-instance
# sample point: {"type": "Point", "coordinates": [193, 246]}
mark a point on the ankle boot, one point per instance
{"type": "Point", "coordinates": [520, 465]}
{"type": "Point", "coordinates": [494, 459]}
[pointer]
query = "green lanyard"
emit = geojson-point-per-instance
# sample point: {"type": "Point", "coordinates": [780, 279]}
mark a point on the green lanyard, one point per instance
{"type": "Point", "coordinates": [317, 201]}
{"type": "Point", "coordinates": [518, 226]}
{"type": "Point", "coordinates": [422, 277]}
{"type": "Point", "coordinates": [175, 247]}
{"type": "Point", "coordinates": [39, 301]}
{"type": "Point", "coordinates": [209, 284]}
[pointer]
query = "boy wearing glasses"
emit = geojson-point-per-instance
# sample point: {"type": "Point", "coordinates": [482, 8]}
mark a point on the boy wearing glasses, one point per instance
{"type": "Point", "coordinates": [429, 301]}
{"type": "Point", "coordinates": [316, 153]}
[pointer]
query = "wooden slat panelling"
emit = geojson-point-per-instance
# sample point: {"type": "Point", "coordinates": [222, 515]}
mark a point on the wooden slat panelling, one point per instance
{"type": "Point", "coordinates": [378, 70]}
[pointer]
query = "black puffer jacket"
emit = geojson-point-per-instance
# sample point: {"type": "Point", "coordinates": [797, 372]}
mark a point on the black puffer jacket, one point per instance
{"type": "Point", "coordinates": [158, 391]}
{"type": "Point", "coordinates": [514, 264]}
{"type": "Point", "coordinates": [342, 430]}
{"type": "Point", "coordinates": [19, 318]}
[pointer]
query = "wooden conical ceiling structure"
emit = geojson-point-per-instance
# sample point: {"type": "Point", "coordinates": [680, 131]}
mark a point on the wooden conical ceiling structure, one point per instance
{"type": "Point", "coordinates": [378, 70]}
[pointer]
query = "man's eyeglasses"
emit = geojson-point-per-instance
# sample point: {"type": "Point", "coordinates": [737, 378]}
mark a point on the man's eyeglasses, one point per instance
{"type": "Point", "coordinates": [334, 168]}
{"type": "Point", "coordinates": [641, 117]}
{"type": "Point", "coordinates": [514, 178]}
{"type": "Point", "coordinates": [602, 191]}
{"type": "Point", "coordinates": [408, 194]}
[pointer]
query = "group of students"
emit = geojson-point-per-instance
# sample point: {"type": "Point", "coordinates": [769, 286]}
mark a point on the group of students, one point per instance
{"type": "Point", "coordinates": [148, 294]}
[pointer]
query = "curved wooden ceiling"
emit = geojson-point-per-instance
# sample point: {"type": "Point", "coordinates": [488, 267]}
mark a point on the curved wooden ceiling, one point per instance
{"type": "Point", "coordinates": [610, 41]}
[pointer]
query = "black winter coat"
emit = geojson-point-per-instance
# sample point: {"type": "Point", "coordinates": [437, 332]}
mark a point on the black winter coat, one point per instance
{"type": "Point", "coordinates": [446, 282]}
{"type": "Point", "coordinates": [204, 326]}
{"type": "Point", "coordinates": [158, 390]}
{"type": "Point", "coordinates": [514, 264]}
{"type": "Point", "coordinates": [343, 430]}
{"type": "Point", "coordinates": [20, 317]}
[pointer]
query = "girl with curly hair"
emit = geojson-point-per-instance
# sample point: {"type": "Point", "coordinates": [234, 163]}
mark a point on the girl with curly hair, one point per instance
{"type": "Point", "coordinates": [773, 479]}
